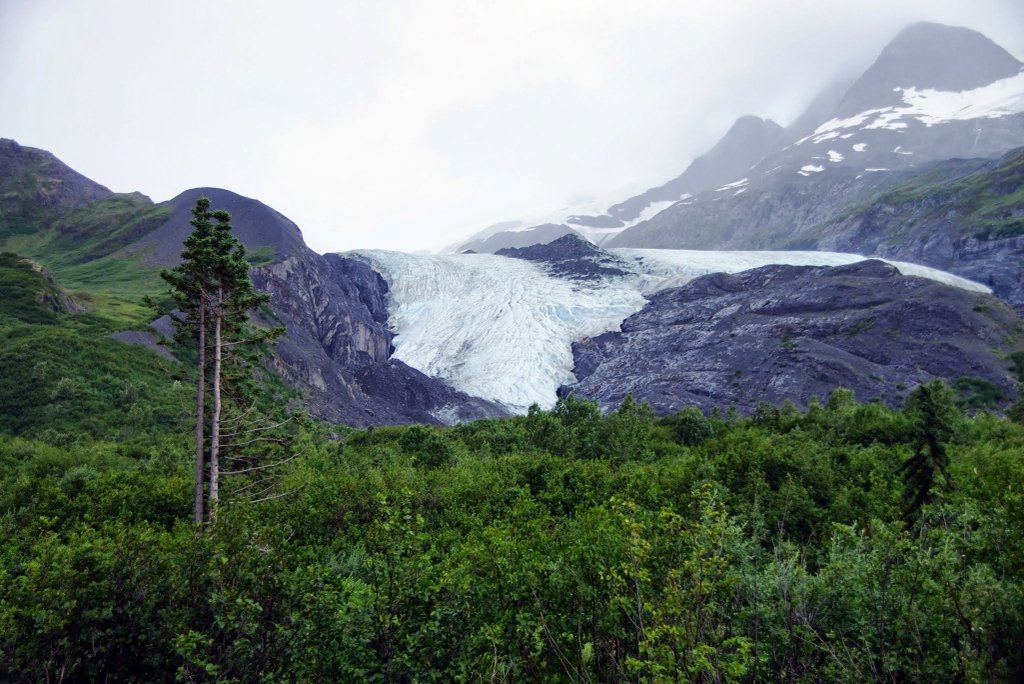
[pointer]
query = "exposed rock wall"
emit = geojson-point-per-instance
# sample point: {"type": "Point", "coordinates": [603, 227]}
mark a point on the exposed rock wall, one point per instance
{"type": "Point", "coordinates": [338, 347]}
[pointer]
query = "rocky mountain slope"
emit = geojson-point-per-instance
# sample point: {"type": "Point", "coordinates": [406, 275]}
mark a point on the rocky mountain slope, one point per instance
{"type": "Point", "coordinates": [338, 347]}
{"type": "Point", "coordinates": [945, 105]}
{"type": "Point", "coordinates": [934, 93]}
{"type": "Point", "coordinates": [792, 332]}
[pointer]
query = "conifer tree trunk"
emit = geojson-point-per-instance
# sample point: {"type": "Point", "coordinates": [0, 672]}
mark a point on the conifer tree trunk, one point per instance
{"type": "Point", "coordinates": [200, 415]}
{"type": "Point", "coordinates": [218, 316]}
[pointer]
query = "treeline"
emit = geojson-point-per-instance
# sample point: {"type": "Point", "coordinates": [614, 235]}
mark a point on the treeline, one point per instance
{"type": "Point", "coordinates": [847, 542]}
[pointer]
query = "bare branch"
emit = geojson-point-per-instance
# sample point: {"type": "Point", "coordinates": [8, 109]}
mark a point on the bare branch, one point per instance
{"type": "Point", "coordinates": [255, 468]}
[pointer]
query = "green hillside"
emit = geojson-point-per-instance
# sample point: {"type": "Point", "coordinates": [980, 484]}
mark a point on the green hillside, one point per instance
{"type": "Point", "coordinates": [968, 198]}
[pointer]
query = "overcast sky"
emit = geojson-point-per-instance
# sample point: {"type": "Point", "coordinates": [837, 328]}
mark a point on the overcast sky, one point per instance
{"type": "Point", "coordinates": [404, 124]}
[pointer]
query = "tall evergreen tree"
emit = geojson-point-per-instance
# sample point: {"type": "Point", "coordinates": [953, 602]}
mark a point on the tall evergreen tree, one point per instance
{"type": "Point", "coordinates": [212, 290]}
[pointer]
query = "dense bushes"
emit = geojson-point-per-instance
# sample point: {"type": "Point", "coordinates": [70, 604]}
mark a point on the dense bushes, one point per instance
{"type": "Point", "coordinates": [559, 546]}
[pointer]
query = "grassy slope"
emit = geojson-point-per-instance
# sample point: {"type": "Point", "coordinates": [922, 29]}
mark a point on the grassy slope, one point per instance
{"type": "Point", "coordinates": [64, 376]}
{"type": "Point", "coordinates": [987, 202]}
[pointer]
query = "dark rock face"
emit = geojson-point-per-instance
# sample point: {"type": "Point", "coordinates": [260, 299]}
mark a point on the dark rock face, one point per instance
{"type": "Point", "coordinates": [570, 257]}
{"type": "Point", "coordinates": [788, 332]}
{"type": "Point", "coordinates": [338, 347]}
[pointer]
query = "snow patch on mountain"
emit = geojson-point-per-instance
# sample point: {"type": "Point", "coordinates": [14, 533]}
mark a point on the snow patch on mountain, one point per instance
{"type": "Point", "coordinates": [735, 184]}
{"type": "Point", "coordinates": [1004, 97]}
{"type": "Point", "coordinates": [502, 328]}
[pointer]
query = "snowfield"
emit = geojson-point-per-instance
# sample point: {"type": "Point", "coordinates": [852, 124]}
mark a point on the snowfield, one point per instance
{"type": "Point", "coordinates": [502, 328]}
{"type": "Point", "coordinates": [1002, 98]}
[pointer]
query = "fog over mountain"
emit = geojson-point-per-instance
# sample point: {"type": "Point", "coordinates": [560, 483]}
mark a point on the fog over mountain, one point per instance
{"type": "Point", "coordinates": [411, 125]}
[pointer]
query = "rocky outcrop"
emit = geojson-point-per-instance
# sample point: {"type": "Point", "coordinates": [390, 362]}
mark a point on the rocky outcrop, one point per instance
{"type": "Point", "coordinates": [572, 257]}
{"type": "Point", "coordinates": [516, 238]}
{"type": "Point", "coordinates": [791, 332]}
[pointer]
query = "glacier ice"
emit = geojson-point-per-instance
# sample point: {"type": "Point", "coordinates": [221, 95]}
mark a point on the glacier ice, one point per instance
{"type": "Point", "coordinates": [503, 328]}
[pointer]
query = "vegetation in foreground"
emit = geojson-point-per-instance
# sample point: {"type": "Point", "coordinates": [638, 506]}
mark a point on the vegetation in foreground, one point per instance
{"type": "Point", "coordinates": [845, 543]}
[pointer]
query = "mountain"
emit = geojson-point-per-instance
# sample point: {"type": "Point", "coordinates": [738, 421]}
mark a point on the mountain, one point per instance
{"type": "Point", "coordinates": [110, 247]}
{"type": "Point", "coordinates": [36, 187]}
{"type": "Point", "coordinates": [746, 143]}
{"type": "Point", "coordinates": [264, 231]}
{"type": "Point", "coordinates": [918, 104]}
{"type": "Point", "coordinates": [929, 56]}
{"type": "Point", "coordinates": [933, 95]}
{"type": "Point", "coordinates": [792, 332]}
{"type": "Point", "coordinates": [963, 216]}
{"type": "Point", "coordinates": [917, 160]}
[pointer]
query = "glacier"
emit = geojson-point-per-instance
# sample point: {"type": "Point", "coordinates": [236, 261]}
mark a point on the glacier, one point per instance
{"type": "Point", "coordinates": [502, 328]}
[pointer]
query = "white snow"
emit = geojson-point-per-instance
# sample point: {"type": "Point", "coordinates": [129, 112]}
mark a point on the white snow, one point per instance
{"type": "Point", "coordinates": [834, 156]}
{"type": "Point", "coordinates": [503, 328]}
{"type": "Point", "coordinates": [1001, 98]}
{"type": "Point", "coordinates": [735, 184]}
{"type": "Point", "coordinates": [809, 169]}
{"type": "Point", "coordinates": [998, 99]}
{"type": "Point", "coordinates": [830, 135]}
{"type": "Point", "coordinates": [860, 147]}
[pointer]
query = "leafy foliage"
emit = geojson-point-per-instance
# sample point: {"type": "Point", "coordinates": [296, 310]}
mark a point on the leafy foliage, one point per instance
{"type": "Point", "coordinates": [558, 546]}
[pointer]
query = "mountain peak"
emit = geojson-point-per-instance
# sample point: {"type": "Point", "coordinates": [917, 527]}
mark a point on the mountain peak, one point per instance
{"type": "Point", "coordinates": [255, 224]}
{"type": "Point", "coordinates": [928, 55]}
{"type": "Point", "coordinates": [746, 142]}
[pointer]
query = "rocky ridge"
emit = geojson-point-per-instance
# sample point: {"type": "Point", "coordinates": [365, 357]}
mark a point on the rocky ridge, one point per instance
{"type": "Point", "coordinates": [793, 332]}
{"type": "Point", "coordinates": [570, 256]}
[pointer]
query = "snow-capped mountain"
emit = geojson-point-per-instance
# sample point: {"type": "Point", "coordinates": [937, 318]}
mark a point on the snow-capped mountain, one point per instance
{"type": "Point", "coordinates": [934, 93]}
{"type": "Point", "coordinates": [503, 328]}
